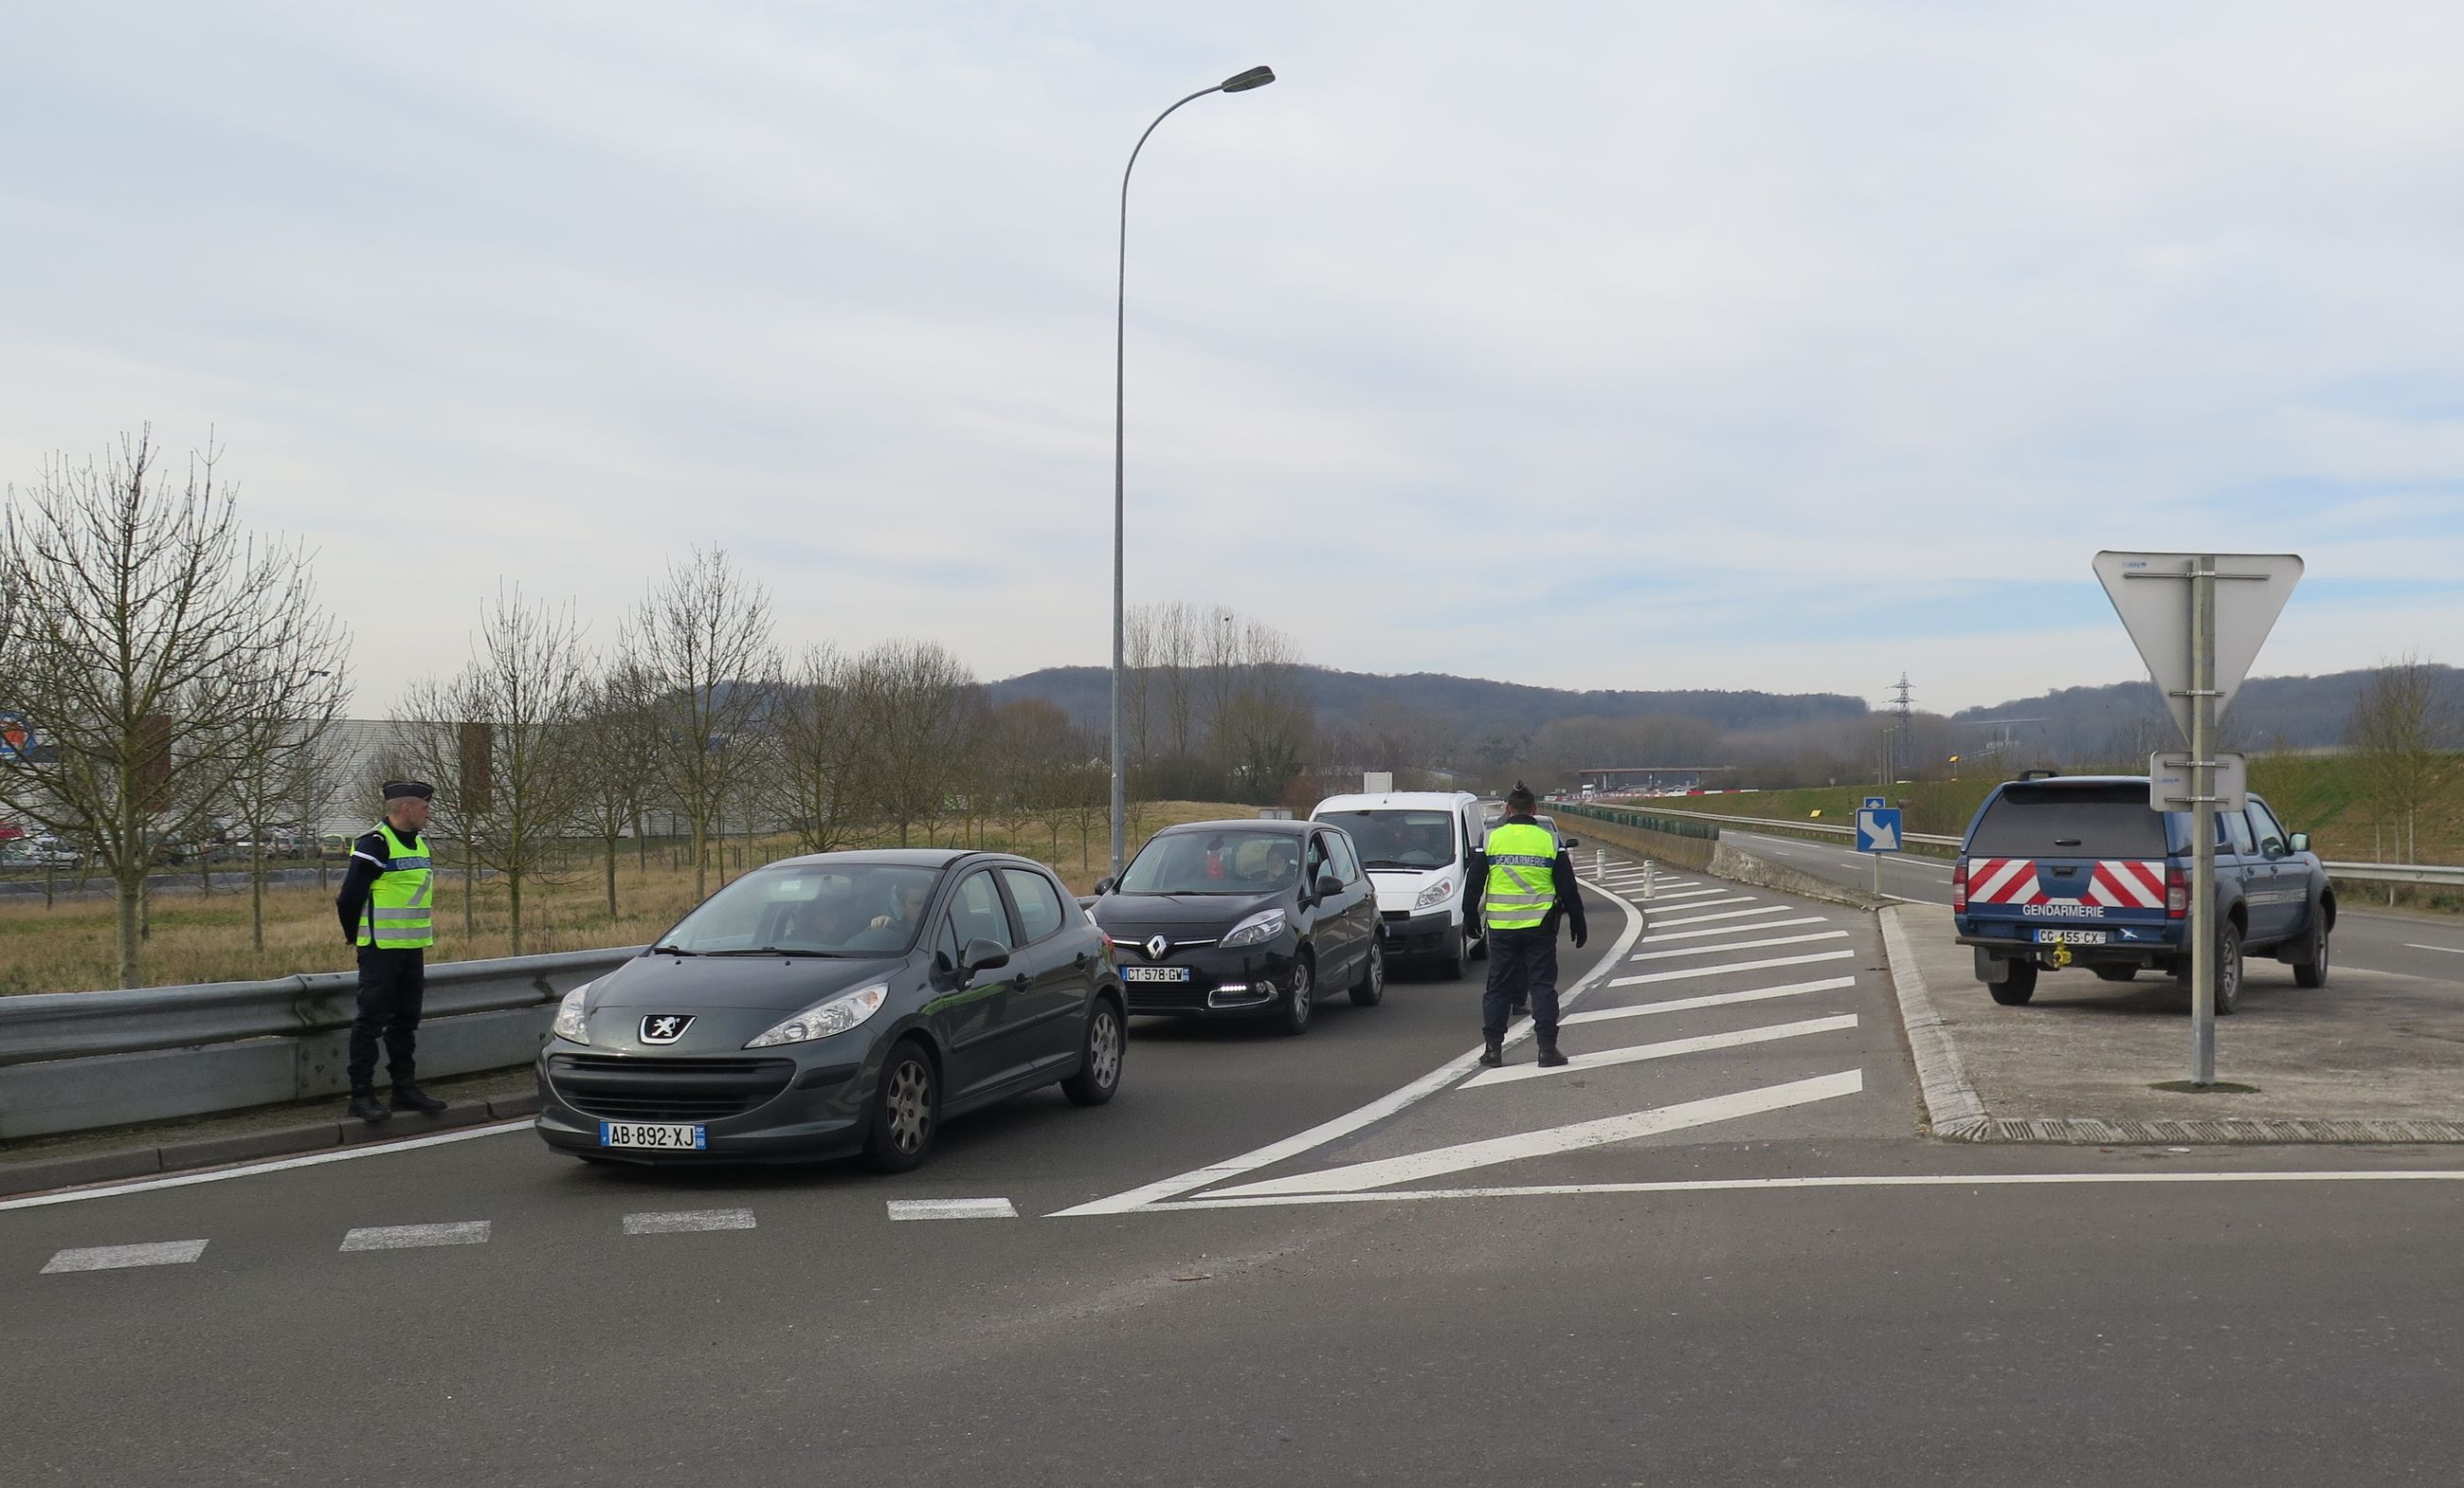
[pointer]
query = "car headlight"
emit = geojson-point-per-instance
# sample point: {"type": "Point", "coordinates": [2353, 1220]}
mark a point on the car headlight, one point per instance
{"type": "Point", "coordinates": [1257, 930]}
{"type": "Point", "coordinates": [568, 1014]}
{"type": "Point", "coordinates": [834, 1015]}
{"type": "Point", "coordinates": [1437, 894]}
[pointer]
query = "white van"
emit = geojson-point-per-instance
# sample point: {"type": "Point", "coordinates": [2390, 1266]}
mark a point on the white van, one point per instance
{"type": "Point", "coordinates": [1416, 846]}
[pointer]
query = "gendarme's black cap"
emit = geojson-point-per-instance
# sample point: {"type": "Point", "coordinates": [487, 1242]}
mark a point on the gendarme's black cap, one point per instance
{"type": "Point", "coordinates": [398, 790]}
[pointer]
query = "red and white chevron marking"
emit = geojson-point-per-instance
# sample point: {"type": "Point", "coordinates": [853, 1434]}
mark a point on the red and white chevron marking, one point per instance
{"type": "Point", "coordinates": [2114, 882]}
{"type": "Point", "coordinates": [2003, 881]}
{"type": "Point", "coordinates": [2127, 884]}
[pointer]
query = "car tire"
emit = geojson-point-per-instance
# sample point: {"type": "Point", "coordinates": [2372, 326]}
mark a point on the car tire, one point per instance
{"type": "Point", "coordinates": [906, 1110]}
{"type": "Point", "coordinates": [2228, 968]}
{"type": "Point", "coordinates": [1099, 1057]}
{"type": "Point", "coordinates": [2116, 973]}
{"type": "Point", "coordinates": [1450, 959]}
{"type": "Point", "coordinates": [1371, 989]}
{"type": "Point", "coordinates": [2021, 985]}
{"type": "Point", "coordinates": [1300, 998]}
{"type": "Point", "coordinates": [2311, 970]}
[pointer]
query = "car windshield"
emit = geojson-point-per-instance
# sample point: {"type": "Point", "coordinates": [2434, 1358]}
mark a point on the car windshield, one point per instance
{"type": "Point", "coordinates": [1390, 837]}
{"type": "Point", "coordinates": [1215, 863]}
{"type": "Point", "coordinates": [2070, 821]}
{"type": "Point", "coordinates": [843, 908]}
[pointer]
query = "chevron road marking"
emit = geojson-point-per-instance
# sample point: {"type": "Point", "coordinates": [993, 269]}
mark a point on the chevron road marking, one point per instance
{"type": "Point", "coordinates": [1712, 1000]}
{"type": "Point", "coordinates": [1730, 914]}
{"type": "Point", "coordinates": [1742, 945]}
{"type": "Point", "coordinates": [1735, 930]}
{"type": "Point", "coordinates": [1692, 972]}
{"type": "Point", "coordinates": [1669, 1049]}
{"type": "Point", "coordinates": [1384, 1171]}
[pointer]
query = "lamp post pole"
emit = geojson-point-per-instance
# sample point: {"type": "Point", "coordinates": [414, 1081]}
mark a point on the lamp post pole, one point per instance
{"type": "Point", "coordinates": [1254, 77]}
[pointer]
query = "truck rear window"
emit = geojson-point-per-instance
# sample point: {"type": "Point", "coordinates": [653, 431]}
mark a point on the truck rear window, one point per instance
{"type": "Point", "coordinates": [2070, 821]}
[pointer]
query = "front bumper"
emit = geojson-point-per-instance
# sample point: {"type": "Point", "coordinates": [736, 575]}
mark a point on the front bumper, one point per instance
{"type": "Point", "coordinates": [757, 1106]}
{"type": "Point", "coordinates": [1242, 983]}
{"type": "Point", "coordinates": [1430, 933]}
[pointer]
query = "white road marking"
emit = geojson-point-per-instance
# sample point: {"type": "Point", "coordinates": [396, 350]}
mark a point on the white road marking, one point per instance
{"type": "Point", "coordinates": [1439, 1079]}
{"type": "Point", "coordinates": [250, 1170]}
{"type": "Point", "coordinates": [1731, 914]}
{"type": "Point", "coordinates": [1355, 1176]}
{"type": "Point", "coordinates": [415, 1236]}
{"type": "Point", "coordinates": [951, 1209]}
{"type": "Point", "coordinates": [1881, 1181]}
{"type": "Point", "coordinates": [1692, 972]}
{"type": "Point", "coordinates": [687, 1221]}
{"type": "Point", "coordinates": [1736, 929]}
{"type": "Point", "coordinates": [1711, 1000]}
{"type": "Point", "coordinates": [115, 1257]}
{"type": "Point", "coordinates": [2454, 951]}
{"type": "Point", "coordinates": [1939, 904]}
{"type": "Point", "coordinates": [1741, 945]}
{"type": "Point", "coordinates": [1668, 1049]}
{"type": "Point", "coordinates": [1688, 893]}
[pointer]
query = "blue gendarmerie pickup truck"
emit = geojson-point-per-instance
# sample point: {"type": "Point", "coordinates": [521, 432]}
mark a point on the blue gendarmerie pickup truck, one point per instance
{"type": "Point", "coordinates": [2061, 871]}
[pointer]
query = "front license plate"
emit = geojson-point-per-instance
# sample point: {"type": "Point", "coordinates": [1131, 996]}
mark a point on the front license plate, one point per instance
{"type": "Point", "coordinates": [2071, 937]}
{"type": "Point", "coordinates": [1154, 973]}
{"type": "Point", "coordinates": [652, 1134]}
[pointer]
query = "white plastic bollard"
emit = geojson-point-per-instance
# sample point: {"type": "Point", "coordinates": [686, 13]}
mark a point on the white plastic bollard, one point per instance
{"type": "Point", "coordinates": [1649, 872]}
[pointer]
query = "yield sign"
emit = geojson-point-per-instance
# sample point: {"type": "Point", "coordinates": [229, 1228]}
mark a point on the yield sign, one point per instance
{"type": "Point", "coordinates": [2151, 593]}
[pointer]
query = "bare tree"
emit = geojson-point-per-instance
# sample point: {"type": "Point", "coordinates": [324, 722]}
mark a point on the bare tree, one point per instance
{"type": "Point", "coordinates": [309, 788]}
{"type": "Point", "coordinates": [919, 708]}
{"type": "Point", "coordinates": [2404, 732]}
{"type": "Point", "coordinates": [156, 649]}
{"type": "Point", "coordinates": [703, 640]}
{"type": "Point", "coordinates": [819, 784]}
{"type": "Point", "coordinates": [612, 754]}
{"type": "Point", "coordinates": [508, 766]}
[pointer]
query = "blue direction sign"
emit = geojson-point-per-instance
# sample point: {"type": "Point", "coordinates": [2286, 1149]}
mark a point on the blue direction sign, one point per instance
{"type": "Point", "coordinates": [1878, 828]}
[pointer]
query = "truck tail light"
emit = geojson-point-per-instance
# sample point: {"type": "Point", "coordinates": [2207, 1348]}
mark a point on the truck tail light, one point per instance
{"type": "Point", "coordinates": [2177, 893]}
{"type": "Point", "coordinates": [1959, 887]}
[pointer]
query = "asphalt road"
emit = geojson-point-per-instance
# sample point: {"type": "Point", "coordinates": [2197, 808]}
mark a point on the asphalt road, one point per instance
{"type": "Point", "coordinates": [2406, 944]}
{"type": "Point", "coordinates": [1712, 1251]}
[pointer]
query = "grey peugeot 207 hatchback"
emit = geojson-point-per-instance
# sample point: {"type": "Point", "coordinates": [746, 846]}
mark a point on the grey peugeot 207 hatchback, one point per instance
{"type": "Point", "coordinates": [839, 1003]}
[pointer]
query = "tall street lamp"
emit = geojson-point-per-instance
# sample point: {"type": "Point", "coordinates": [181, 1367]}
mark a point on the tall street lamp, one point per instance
{"type": "Point", "coordinates": [1241, 83]}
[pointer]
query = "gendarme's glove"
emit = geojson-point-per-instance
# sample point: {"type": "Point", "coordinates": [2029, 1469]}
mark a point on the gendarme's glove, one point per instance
{"type": "Point", "coordinates": [1579, 937]}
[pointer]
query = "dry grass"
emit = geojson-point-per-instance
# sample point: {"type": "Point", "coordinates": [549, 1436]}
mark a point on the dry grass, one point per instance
{"type": "Point", "coordinates": [204, 938]}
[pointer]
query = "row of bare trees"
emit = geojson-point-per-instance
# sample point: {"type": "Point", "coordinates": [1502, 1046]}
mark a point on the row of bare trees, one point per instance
{"type": "Point", "coordinates": [1213, 703]}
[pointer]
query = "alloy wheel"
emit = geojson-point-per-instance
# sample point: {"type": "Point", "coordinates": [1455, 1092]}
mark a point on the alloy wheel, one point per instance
{"type": "Point", "coordinates": [1104, 1048]}
{"type": "Point", "coordinates": [910, 1105]}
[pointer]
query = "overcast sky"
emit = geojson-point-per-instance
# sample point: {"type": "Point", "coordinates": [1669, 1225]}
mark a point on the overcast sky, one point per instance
{"type": "Point", "coordinates": [1781, 346]}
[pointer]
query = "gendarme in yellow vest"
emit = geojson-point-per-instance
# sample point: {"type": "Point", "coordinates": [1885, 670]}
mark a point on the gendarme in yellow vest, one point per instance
{"type": "Point", "coordinates": [1522, 887]}
{"type": "Point", "coordinates": [400, 911]}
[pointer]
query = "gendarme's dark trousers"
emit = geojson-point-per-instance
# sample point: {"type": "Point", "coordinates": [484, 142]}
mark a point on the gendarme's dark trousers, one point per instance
{"type": "Point", "coordinates": [1521, 963]}
{"type": "Point", "coordinates": [392, 985]}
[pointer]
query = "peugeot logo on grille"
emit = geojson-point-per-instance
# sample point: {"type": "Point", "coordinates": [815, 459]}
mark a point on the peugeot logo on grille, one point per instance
{"type": "Point", "coordinates": [665, 1027]}
{"type": "Point", "coordinates": [1157, 947]}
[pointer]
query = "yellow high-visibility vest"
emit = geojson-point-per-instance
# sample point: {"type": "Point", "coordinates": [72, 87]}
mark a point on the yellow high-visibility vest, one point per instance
{"type": "Point", "coordinates": [1522, 886]}
{"type": "Point", "coordinates": [400, 908]}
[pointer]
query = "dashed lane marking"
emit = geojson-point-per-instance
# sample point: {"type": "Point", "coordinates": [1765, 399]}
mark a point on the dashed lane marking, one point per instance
{"type": "Point", "coordinates": [1669, 1049]}
{"type": "Point", "coordinates": [1740, 945]}
{"type": "Point", "coordinates": [1384, 1171]}
{"type": "Point", "coordinates": [416, 1236]}
{"type": "Point", "coordinates": [117, 1257]}
{"type": "Point", "coordinates": [1731, 914]}
{"type": "Point", "coordinates": [951, 1209]}
{"type": "Point", "coordinates": [1735, 930]}
{"type": "Point", "coordinates": [687, 1221]}
{"type": "Point", "coordinates": [1715, 1000]}
{"type": "Point", "coordinates": [1689, 972]}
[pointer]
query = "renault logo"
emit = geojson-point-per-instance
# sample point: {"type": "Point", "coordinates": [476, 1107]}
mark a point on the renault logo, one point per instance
{"type": "Point", "coordinates": [1157, 947]}
{"type": "Point", "coordinates": [665, 1027]}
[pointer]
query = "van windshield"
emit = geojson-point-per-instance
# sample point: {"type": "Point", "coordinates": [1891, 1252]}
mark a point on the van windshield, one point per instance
{"type": "Point", "coordinates": [1398, 839]}
{"type": "Point", "coordinates": [2070, 821]}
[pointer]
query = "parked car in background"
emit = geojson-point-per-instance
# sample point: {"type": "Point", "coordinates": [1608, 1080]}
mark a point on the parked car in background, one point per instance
{"type": "Point", "coordinates": [1414, 846]}
{"type": "Point", "coordinates": [1243, 919]}
{"type": "Point", "coordinates": [2079, 871]}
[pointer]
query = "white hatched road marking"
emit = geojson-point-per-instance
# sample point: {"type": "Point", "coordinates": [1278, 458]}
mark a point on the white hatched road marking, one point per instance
{"type": "Point", "coordinates": [1689, 893]}
{"type": "Point", "coordinates": [1731, 914]}
{"type": "Point", "coordinates": [1669, 1049]}
{"type": "Point", "coordinates": [416, 1236]}
{"type": "Point", "coordinates": [687, 1221]}
{"type": "Point", "coordinates": [1736, 929]}
{"type": "Point", "coordinates": [1711, 1000]}
{"type": "Point", "coordinates": [1582, 1134]}
{"type": "Point", "coordinates": [1742, 945]}
{"type": "Point", "coordinates": [2454, 951]}
{"type": "Point", "coordinates": [951, 1209]}
{"type": "Point", "coordinates": [1690, 973]}
{"type": "Point", "coordinates": [117, 1257]}
{"type": "Point", "coordinates": [1706, 904]}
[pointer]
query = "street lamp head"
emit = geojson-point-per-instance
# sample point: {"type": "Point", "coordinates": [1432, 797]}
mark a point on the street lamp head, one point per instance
{"type": "Point", "coordinates": [1254, 77]}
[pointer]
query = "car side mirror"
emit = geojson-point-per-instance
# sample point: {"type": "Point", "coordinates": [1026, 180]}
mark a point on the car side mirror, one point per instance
{"type": "Point", "coordinates": [1327, 885]}
{"type": "Point", "coordinates": [982, 954]}
{"type": "Point", "coordinates": [2301, 842]}
{"type": "Point", "coordinates": [1574, 842]}
{"type": "Point", "coordinates": [1104, 885]}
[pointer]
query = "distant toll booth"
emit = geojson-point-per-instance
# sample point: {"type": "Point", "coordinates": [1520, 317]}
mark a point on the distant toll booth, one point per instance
{"type": "Point", "coordinates": [1625, 779]}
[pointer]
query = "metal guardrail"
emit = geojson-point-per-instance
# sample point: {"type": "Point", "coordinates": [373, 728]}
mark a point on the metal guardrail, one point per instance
{"type": "Point", "coordinates": [2397, 873]}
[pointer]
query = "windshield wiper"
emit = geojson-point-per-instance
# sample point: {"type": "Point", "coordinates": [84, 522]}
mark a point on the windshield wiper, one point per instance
{"type": "Point", "coordinates": [672, 950]}
{"type": "Point", "coordinates": [1390, 863]}
{"type": "Point", "coordinates": [779, 950]}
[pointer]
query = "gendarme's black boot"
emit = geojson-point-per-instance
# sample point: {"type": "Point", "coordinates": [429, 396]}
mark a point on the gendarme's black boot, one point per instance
{"type": "Point", "coordinates": [408, 1097]}
{"type": "Point", "coordinates": [367, 1107]}
{"type": "Point", "coordinates": [1550, 1057]}
{"type": "Point", "coordinates": [1495, 1054]}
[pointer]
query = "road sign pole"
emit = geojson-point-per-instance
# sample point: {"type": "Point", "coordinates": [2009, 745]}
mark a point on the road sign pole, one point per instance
{"type": "Point", "coordinates": [2203, 821]}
